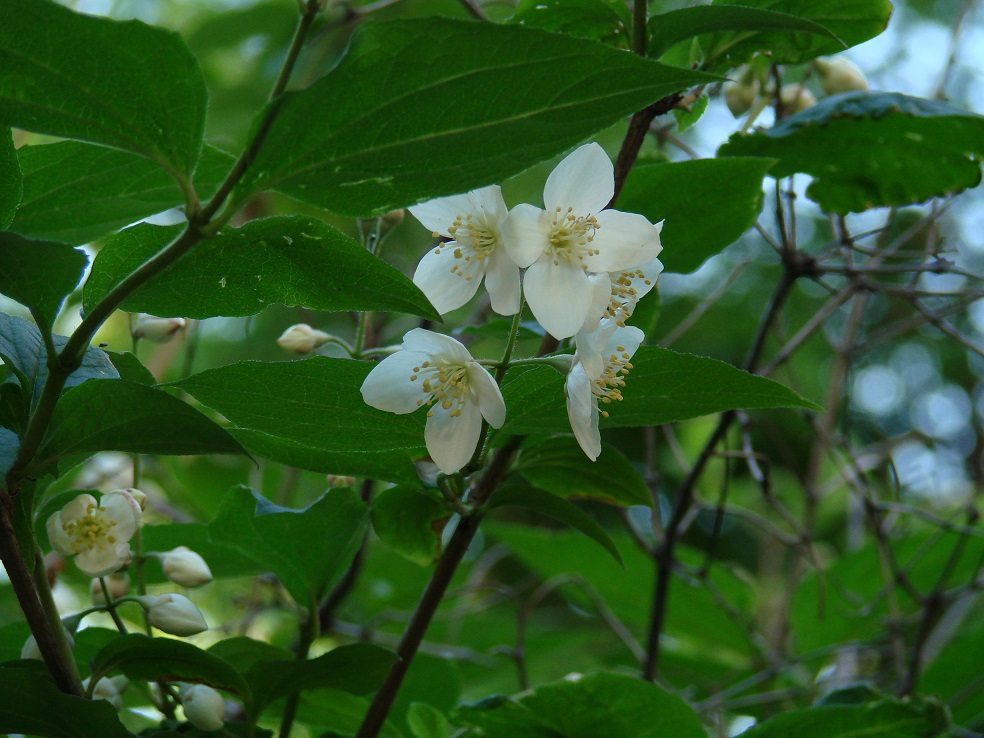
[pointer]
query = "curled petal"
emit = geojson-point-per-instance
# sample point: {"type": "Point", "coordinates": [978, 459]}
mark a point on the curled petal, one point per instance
{"type": "Point", "coordinates": [624, 241]}
{"type": "Point", "coordinates": [601, 297]}
{"type": "Point", "coordinates": [451, 440]}
{"type": "Point", "coordinates": [445, 289]}
{"type": "Point", "coordinates": [389, 387]}
{"type": "Point", "coordinates": [525, 234]}
{"type": "Point", "coordinates": [490, 401]}
{"type": "Point", "coordinates": [559, 296]}
{"type": "Point", "coordinates": [582, 412]}
{"type": "Point", "coordinates": [584, 181]}
{"type": "Point", "coordinates": [502, 282]}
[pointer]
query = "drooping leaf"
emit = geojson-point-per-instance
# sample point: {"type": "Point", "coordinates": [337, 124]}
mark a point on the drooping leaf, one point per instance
{"type": "Point", "coordinates": [875, 149]}
{"type": "Point", "coordinates": [288, 260]}
{"type": "Point", "coordinates": [76, 192]}
{"type": "Point", "coordinates": [410, 520]}
{"type": "Point", "coordinates": [423, 108]}
{"type": "Point", "coordinates": [704, 204]}
{"type": "Point", "coordinates": [11, 179]}
{"type": "Point", "coordinates": [39, 274]}
{"type": "Point", "coordinates": [663, 387]}
{"type": "Point", "coordinates": [310, 414]}
{"type": "Point", "coordinates": [127, 96]}
{"type": "Point", "coordinates": [306, 549]}
{"type": "Point", "coordinates": [598, 20]}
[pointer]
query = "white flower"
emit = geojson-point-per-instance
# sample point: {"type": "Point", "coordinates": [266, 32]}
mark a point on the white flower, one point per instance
{"type": "Point", "coordinates": [584, 387]}
{"type": "Point", "coordinates": [174, 614]}
{"type": "Point", "coordinates": [106, 689]}
{"type": "Point", "coordinates": [203, 706]}
{"type": "Point", "coordinates": [31, 650]}
{"type": "Point", "coordinates": [575, 236]}
{"type": "Point", "coordinates": [438, 371]}
{"type": "Point", "coordinates": [449, 275]}
{"type": "Point", "coordinates": [185, 567]}
{"type": "Point", "coordinates": [157, 330]}
{"type": "Point", "coordinates": [302, 339]}
{"type": "Point", "coordinates": [97, 533]}
{"type": "Point", "coordinates": [839, 75]}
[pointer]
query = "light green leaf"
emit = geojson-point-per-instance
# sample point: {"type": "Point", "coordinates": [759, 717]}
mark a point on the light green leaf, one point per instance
{"type": "Point", "coordinates": [873, 149]}
{"type": "Point", "coordinates": [288, 260]}
{"type": "Point", "coordinates": [77, 192]}
{"type": "Point", "coordinates": [143, 91]}
{"type": "Point", "coordinates": [686, 118]}
{"type": "Point", "coordinates": [39, 274]}
{"type": "Point", "coordinates": [705, 204]}
{"type": "Point", "coordinates": [11, 179]}
{"type": "Point", "coordinates": [310, 414]}
{"type": "Point", "coordinates": [306, 549]}
{"type": "Point", "coordinates": [607, 21]}
{"type": "Point", "coordinates": [423, 108]}
{"type": "Point", "coordinates": [427, 722]}
{"type": "Point", "coordinates": [888, 718]}
{"type": "Point", "coordinates": [410, 520]}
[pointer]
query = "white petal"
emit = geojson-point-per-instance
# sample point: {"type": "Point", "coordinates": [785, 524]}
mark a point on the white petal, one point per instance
{"type": "Point", "coordinates": [436, 346]}
{"type": "Point", "coordinates": [487, 394]}
{"type": "Point", "coordinates": [582, 412]}
{"type": "Point", "coordinates": [502, 282]}
{"type": "Point", "coordinates": [488, 200]}
{"type": "Point", "coordinates": [451, 441]}
{"type": "Point", "coordinates": [625, 240]}
{"type": "Point", "coordinates": [629, 338]}
{"type": "Point", "coordinates": [438, 215]}
{"type": "Point", "coordinates": [388, 386]}
{"type": "Point", "coordinates": [445, 289]}
{"type": "Point", "coordinates": [122, 508]}
{"type": "Point", "coordinates": [588, 352]}
{"type": "Point", "coordinates": [559, 296]}
{"type": "Point", "coordinates": [644, 284]}
{"type": "Point", "coordinates": [524, 234]}
{"type": "Point", "coordinates": [584, 181]}
{"type": "Point", "coordinates": [57, 535]}
{"type": "Point", "coordinates": [78, 508]}
{"type": "Point", "coordinates": [601, 297]}
{"type": "Point", "coordinates": [99, 561]}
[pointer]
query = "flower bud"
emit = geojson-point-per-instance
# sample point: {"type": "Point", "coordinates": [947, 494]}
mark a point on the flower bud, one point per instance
{"type": "Point", "coordinates": [118, 584]}
{"type": "Point", "coordinates": [740, 95]}
{"type": "Point", "coordinates": [796, 98]}
{"type": "Point", "coordinates": [139, 497]}
{"type": "Point", "coordinates": [391, 220]}
{"type": "Point", "coordinates": [156, 330]}
{"type": "Point", "coordinates": [174, 614]}
{"type": "Point", "coordinates": [105, 689]}
{"type": "Point", "coordinates": [203, 706]}
{"type": "Point", "coordinates": [302, 339]}
{"type": "Point", "coordinates": [185, 567]}
{"type": "Point", "coordinates": [30, 649]}
{"type": "Point", "coordinates": [340, 480]}
{"type": "Point", "coordinates": [839, 75]}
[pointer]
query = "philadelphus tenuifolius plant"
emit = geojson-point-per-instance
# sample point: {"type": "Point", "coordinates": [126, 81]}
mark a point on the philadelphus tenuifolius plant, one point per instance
{"type": "Point", "coordinates": [97, 533]}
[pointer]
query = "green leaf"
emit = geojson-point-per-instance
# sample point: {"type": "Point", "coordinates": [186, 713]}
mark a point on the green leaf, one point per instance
{"type": "Point", "coordinates": [423, 108]}
{"type": "Point", "coordinates": [22, 350]}
{"type": "Point", "coordinates": [686, 118]}
{"type": "Point", "coordinates": [599, 20]}
{"type": "Point", "coordinates": [707, 204]}
{"type": "Point", "coordinates": [223, 562]}
{"type": "Point", "coordinates": [873, 149]}
{"type": "Point", "coordinates": [844, 23]}
{"type": "Point", "coordinates": [663, 387]}
{"type": "Point", "coordinates": [168, 660]}
{"type": "Point", "coordinates": [131, 417]}
{"type": "Point", "coordinates": [130, 368]}
{"type": "Point", "coordinates": [39, 274]}
{"type": "Point", "coordinates": [546, 503]}
{"type": "Point", "coordinates": [243, 653]}
{"type": "Point", "coordinates": [667, 29]}
{"type": "Point", "coordinates": [410, 520]}
{"type": "Point", "coordinates": [9, 446]}
{"type": "Point", "coordinates": [427, 722]}
{"type": "Point", "coordinates": [77, 192]}
{"type": "Point", "coordinates": [558, 465]}
{"type": "Point", "coordinates": [306, 549]}
{"type": "Point", "coordinates": [32, 704]}
{"type": "Point", "coordinates": [11, 179]}
{"type": "Point", "coordinates": [888, 718]}
{"type": "Point", "coordinates": [310, 414]}
{"type": "Point", "coordinates": [288, 260]}
{"type": "Point", "coordinates": [127, 96]}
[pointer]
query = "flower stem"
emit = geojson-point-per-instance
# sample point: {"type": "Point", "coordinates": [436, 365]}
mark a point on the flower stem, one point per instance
{"type": "Point", "coordinates": [111, 607]}
{"type": "Point", "coordinates": [308, 635]}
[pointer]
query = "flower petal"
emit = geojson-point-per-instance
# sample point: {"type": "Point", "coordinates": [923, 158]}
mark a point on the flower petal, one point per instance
{"type": "Point", "coordinates": [451, 440]}
{"type": "Point", "coordinates": [60, 540]}
{"type": "Point", "coordinates": [525, 234]}
{"type": "Point", "coordinates": [628, 338]}
{"type": "Point", "coordinates": [445, 289]}
{"type": "Point", "coordinates": [388, 386]}
{"type": "Point", "coordinates": [559, 296]}
{"type": "Point", "coordinates": [582, 412]}
{"type": "Point", "coordinates": [124, 510]}
{"type": "Point", "coordinates": [436, 346]}
{"type": "Point", "coordinates": [584, 181]}
{"type": "Point", "coordinates": [601, 297]}
{"type": "Point", "coordinates": [487, 394]}
{"type": "Point", "coordinates": [99, 561]}
{"type": "Point", "coordinates": [502, 282]}
{"type": "Point", "coordinates": [623, 240]}
{"type": "Point", "coordinates": [438, 215]}
{"type": "Point", "coordinates": [488, 201]}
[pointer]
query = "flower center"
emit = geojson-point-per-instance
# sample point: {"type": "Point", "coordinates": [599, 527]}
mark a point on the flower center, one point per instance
{"type": "Point", "coordinates": [570, 235]}
{"type": "Point", "coordinates": [608, 387]}
{"type": "Point", "coordinates": [447, 384]}
{"type": "Point", "coordinates": [90, 531]}
{"type": "Point", "coordinates": [624, 295]}
{"type": "Point", "coordinates": [473, 241]}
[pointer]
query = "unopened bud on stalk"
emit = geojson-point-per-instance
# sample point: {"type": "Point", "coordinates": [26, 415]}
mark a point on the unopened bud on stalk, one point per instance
{"type": "Point", "coordinates": [302, 339]}
{"type": "Point", "coordinates": [185, 567]}
{"type": "Point", "coordinates": [174, 614]}
{"type": "Point", "coordinates": [796, 98]}
{"type": "Point", "coordinates": [740, 95]}
{"type": "Point", "coordinates": [839, 75]}
{"type": "Point", "coordinates": [30, 649]}
{"type": "Point", "coordinates": [107, 689]}
{"type": "Point", "coordinates": [391, 220]}
{"type": "Point", "coordinates": [156, 330]}
{"type": "Point", "coordinates": [118, 584]}
{"type": "Point", "coordinates": [203, 706]}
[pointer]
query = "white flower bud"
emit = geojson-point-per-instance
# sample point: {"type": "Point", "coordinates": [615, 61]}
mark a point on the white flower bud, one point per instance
{"type": "Point", "coordinates": [203, 706]}
{"type": "Point", "coordinates": [185, 567]}
{"type": "Point", "coordinates": [106, 689]}
{"type": "Point", "coordinates": [302, 339]}
{"type": "Point", "coordinates": [31, 650]}
{"type": "Point", "coordinates": [740, 95]}
{"type": "Point", "coordinates": [796, 98]}
{"type": "Point", "coordinates": [118, 584]}
{"type": "Point", "coordinates": [174, 614]}
{"type": "Point", "coordinates": [156, 330]}
{"type": "Point", "coordinates": [839, 75]}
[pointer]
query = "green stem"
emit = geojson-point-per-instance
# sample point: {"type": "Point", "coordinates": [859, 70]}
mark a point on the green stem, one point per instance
{"type": "Point", "coordinates": [111, 607]}
{"type": "Point", "coordinates": [308, 635]}
{"type": "Point", "coordinates": [639, 20]}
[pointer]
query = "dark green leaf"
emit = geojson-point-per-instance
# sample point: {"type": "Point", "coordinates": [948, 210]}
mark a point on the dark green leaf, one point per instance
{"type": "Point", "coordinates": [289, 260]}
{"type": "Point", "coordinates": [39, 274]}
{"type": "Point", "coordinates": [953, 673]}
{"type": "Point", "coordinates": [877, 149]}
{"type": "Point", "coordinates": [598, 20]}
{"type": "Point", "coordinates": [243, 653]}
{"type": "Point", "coordinates": [127, 416]}
{"type": "Point", "coordinates": [306, 549]}
{"type": "Point", "coordinates": [423, 108]}
{"type": "Point", "coordinates": [427, 722]}
{"type": "Point", "coordinates": [223, 562]}
{"type": "Point", "coordinates": [311, 414]}
{"type": "Point", "coordinates": [889, 718]}
{"type": "Point", "coordinates": [142, 91]}
{"type": "Point", "coordinates": [77, 192]}
{"type": "Point", "coordinates": [663, 387]}
{"type": "Point", "coordinates": [667, 29]}
{"type": "Point", "coordinates": [410, 520]}
{"type": "Point", "coordinates": [11, 179]}
{"type": "Point", "coordinates": [707, 204]}
{"type": "Point", "coordinates": [32, 704]}
{"type": "Point", "coordinates": [130, 368]}
{"type": "Point", "coordinates": [169, 660]}
{"type": "Point", "coordinates": [88, 643]}
{"type": "Point", "coordinates": [502, 717]}
{"type": "Point", "coordinates": [558, 465]}
{"type": "Point", "coordinates": [9, 446]}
